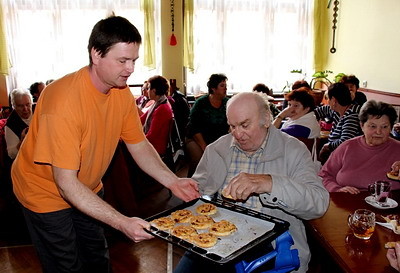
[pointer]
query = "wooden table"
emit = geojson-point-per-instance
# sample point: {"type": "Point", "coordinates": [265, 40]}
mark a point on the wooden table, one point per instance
{"type": "Point", "coordinates": [332, 233]}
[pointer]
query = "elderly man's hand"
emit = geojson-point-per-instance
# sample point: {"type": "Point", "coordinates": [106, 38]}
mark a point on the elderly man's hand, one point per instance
{"type": "Point", "coordinates": [185, 189]}
{"type": "Point", "coordinates": [244, 184]}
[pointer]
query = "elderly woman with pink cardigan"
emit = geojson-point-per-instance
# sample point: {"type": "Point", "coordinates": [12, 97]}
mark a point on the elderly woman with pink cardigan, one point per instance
{"type": "Point", "coordinates": [362, 160]}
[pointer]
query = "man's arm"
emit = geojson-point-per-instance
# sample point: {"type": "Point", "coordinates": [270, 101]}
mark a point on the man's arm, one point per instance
{"type": "Point", "coordinates": [82, 198]}
{"type": "Point", "coordinates": [150, 162]}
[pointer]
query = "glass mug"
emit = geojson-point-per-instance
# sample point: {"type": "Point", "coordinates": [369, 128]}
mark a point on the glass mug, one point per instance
{"type": "Point", "coordinates": [380, 191]}
{"type": "Point", "coordinates": [362, 223]}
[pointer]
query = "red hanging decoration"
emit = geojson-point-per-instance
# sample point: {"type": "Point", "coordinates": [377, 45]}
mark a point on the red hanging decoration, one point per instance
{"type": "Point", "coordinates": [172, 40]}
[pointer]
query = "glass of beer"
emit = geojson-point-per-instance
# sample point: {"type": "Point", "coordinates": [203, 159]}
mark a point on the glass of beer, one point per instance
{"type": "Point", "coordinates": [362, 223]}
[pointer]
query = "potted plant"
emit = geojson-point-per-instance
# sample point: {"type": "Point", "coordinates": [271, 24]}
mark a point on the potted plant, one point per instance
{"type": "Point", "coordinates": [320, 79]}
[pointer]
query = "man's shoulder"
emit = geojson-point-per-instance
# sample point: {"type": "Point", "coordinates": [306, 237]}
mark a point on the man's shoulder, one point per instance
{"type": "Point", "coordinates": [222, 144]}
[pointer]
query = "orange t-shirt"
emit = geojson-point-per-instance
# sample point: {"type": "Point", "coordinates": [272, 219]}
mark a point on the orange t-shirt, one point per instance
{"type": "Point", "coordinates": [74, 127]}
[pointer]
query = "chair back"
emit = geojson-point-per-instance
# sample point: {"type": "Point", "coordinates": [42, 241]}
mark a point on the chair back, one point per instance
{"type": "Point", "coordinates": [175, 146]}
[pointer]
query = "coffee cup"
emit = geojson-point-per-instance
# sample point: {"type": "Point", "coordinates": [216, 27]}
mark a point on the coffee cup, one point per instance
{"type": "Point", "coordinates": [380, 191]}
{"type": "Point", "coordinates": [362, 223]}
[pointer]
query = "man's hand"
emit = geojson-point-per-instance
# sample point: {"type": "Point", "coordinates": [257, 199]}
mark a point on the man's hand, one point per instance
{"type": "Point", "coordinates": [350, 190]}
{"type": "Point", "coordinates": [393, 256]}
{"type": "Point", "coordinates": [185, 189]}
{"type": "Point", "coordinates": [244, 184]}
{"type": "Point", "coordinates": [134, 227]}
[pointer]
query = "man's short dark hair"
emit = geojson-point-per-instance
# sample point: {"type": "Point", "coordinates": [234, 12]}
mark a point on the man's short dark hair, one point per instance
{"type": "Point", "coordinates": [110, 31]}
{"type": "Point", "coordinates": [340, 92]}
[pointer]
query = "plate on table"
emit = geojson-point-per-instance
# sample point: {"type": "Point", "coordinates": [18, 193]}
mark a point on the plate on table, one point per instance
{"type": "Point", "coordinates": [390, 204]}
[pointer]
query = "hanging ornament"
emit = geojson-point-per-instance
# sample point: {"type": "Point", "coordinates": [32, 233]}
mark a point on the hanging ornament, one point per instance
{"type": "Point", "coordinates": [334, 21]}
{"type": "Point", "coordinates": [172, 40]}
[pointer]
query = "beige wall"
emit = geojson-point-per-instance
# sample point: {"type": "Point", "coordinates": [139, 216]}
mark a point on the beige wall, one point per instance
{"type": "Point", "coordinates": [368, 43]}
{"type": "Point", "coordinates": [172, 56]}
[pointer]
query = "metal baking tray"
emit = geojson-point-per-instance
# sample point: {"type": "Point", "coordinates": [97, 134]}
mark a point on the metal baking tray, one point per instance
{"type": "Point", "coordinates": [253, 228]}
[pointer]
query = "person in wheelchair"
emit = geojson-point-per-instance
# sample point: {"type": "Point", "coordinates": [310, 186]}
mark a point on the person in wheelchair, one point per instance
{"type": "Point", "coordinates": [263, 169]}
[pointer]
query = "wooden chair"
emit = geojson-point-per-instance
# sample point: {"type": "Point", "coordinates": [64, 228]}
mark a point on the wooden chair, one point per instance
{"type": "Point", "coordinates": [309, 142]}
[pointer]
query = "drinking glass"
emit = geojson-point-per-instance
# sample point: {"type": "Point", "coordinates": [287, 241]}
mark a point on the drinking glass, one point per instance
{"type": "Point", "coordinates": [362, 223]}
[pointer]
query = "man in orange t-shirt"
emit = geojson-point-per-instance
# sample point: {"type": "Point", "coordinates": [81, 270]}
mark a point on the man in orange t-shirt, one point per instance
{"type": "Point", "coordinates": [75, 130]}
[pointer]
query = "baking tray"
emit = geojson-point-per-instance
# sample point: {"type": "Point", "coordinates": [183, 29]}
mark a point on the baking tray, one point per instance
{"type": "Point", "coordinates": [253, 228]}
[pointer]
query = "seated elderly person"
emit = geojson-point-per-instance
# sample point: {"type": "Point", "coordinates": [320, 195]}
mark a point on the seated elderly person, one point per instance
{"type": "Point", "coordinates": [344, 116]}
{"type": "Point", "coordinates": [353, 83]}
{"type": "Point", "coordinates": [207, 120]}
{"type": "Point", "coordinates": [362, 160]}
{"type": "Point", "coordinates": [36, 89]}
{"type": "Point", "coordinates": [18, 121]}
{"type": "Point", "coordinates": [143, 102]}
{"type": "Point", "coordinates": [263, 169]}
{"type": "Point", "coordinates": [157, 120]}
{"type": "Point", "coordinates": [260, 87]}
{"type": "Point", "coordinates": [301, 120]}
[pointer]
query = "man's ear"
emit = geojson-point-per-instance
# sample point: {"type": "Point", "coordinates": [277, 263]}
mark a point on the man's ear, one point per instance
{"type": "Point", "coordinates": [96, 55]}
{"type": "Point", "coordinates": [268, 118]}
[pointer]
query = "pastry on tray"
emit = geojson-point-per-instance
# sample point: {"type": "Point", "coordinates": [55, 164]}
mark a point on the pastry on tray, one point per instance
{"type": "Point", "coordinates": [182, 216]}
{"type": "Point", "coordinates": [206, 209]}
{"type": "Point", "coordinates": [204, 240]}
{"type": "Point", "coordinates": [183, 232]}
{"type": "Point", "coordinates": [223, 228]}
{"type": "Point", "coordinates": [201, 221]}
{"type": "Point", "coordinates": [163, 223]}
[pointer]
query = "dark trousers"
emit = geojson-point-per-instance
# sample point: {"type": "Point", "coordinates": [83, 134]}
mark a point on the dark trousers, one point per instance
{"type": "Point", "coordinates": [68, 241]}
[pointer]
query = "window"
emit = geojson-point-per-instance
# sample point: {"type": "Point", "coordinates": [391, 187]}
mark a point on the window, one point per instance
{"type": "Point", "coordinates": [251, 41]}
{"type": "Point", "coordinates": [48, 39]}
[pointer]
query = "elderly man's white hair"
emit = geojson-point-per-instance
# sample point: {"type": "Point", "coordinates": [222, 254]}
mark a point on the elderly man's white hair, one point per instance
{"type": "Point", "coordinates": [18, 93]}
{"type": "Point", "coordinates": [260, 99]}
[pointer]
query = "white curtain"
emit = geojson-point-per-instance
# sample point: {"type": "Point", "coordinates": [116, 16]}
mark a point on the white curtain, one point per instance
{"type": "Point", "coordinates": [251, 41]}
{"type": "Point", "coordinates": [48, 38]}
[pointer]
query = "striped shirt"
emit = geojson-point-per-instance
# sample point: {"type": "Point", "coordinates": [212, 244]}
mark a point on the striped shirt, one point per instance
{"type": "Point", "coordinates": [243, 162]}
{"type": "Point", "coordinates": [344, 127]}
